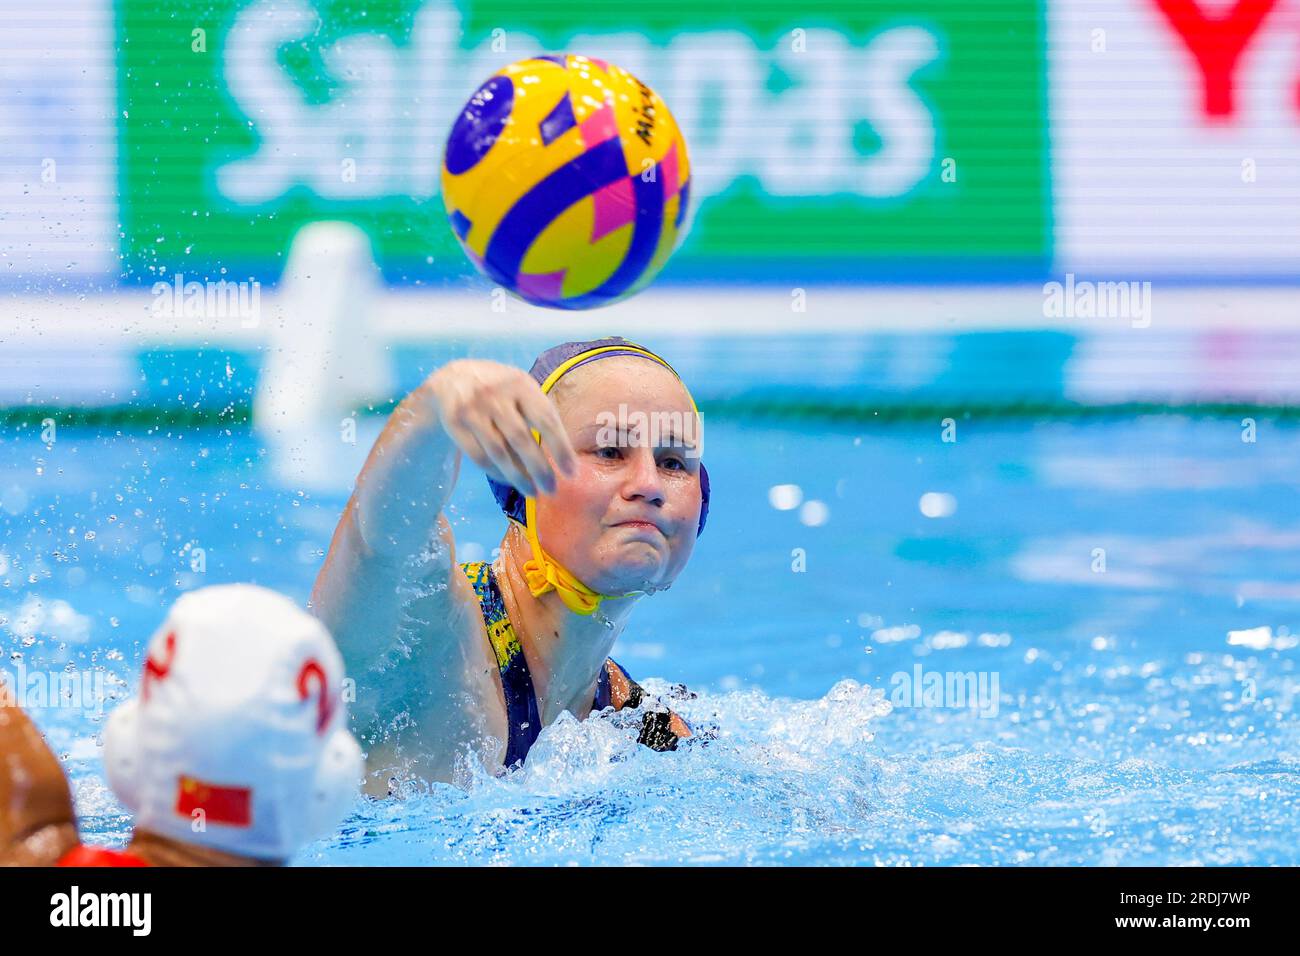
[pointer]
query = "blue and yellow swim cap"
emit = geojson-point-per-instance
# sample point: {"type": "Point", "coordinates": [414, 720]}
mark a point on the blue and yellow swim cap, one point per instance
{"type": "Point", "coordinates": [544, 572]}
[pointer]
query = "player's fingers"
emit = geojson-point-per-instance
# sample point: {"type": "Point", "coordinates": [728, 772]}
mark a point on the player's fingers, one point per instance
{"type": "Point", "coordinates": [485, 444]}
{"type": "Point", "coordinates": [541, 414]}
{"type": "Point", "coordinates": [515, 473]}
{"type": "Point", "coordinates": [519, 439]}
{"type": "Point", "coordinates": [472, 449]}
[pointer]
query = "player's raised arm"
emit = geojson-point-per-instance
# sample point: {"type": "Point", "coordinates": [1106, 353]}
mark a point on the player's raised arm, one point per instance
{"type": "Point", "coordinates": [486, 410]}
{"type": "Point", "coordinates": [483, 408]}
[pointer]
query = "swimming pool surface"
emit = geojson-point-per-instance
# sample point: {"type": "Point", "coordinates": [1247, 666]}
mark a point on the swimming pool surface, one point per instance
{"type": "Point", "coordinates": [1129, 587]}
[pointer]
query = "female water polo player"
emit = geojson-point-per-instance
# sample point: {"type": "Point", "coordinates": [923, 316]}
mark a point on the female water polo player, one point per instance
{"type": "Point", "coordinates": [479, 657]}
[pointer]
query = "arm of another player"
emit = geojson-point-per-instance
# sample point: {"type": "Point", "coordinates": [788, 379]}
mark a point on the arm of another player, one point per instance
{"type": "Point", "coordinates": [662, 727]}
{"type": "Point", "coordinates": [37, 822]}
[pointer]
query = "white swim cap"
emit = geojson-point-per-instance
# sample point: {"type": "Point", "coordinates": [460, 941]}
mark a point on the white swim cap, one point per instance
{"type": "Point", "coordinates": [238, 739]}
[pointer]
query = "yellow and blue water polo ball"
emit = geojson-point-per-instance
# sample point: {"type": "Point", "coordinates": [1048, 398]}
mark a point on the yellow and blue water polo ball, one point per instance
{"type": "Point", "coordinates": [566, 180]}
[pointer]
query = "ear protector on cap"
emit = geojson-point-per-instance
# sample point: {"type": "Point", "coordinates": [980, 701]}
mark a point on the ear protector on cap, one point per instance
{"type": "Point", "coordinates": [122, 754]}
{"type": "Point", "coordinates": [341, 765]}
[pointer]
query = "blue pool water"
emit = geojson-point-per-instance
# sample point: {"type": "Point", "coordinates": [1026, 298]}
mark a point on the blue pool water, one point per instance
{"type": "Point", "coordinates": [1091, 574]}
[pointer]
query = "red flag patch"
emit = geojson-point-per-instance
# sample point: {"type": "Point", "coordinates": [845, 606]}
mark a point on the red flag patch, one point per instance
{"type": "Point", "coordinates": [232, 806]}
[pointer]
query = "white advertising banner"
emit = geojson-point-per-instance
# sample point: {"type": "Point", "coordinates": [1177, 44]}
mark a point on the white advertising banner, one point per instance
{"type": "Point", "coordinates": [1175, 132]}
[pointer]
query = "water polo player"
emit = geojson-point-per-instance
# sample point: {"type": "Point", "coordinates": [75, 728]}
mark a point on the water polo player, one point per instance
{"type": "Point", "coordinates": [479, 657]}
{"type": "Point", "coordinates": [235, 752]}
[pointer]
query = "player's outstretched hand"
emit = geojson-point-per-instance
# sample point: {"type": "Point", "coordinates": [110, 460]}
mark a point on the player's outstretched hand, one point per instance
{"type": "Point", "coordinates": [490, 409]}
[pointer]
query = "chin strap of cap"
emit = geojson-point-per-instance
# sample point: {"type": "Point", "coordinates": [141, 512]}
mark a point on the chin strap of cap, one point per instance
{"type": "Point", "coordinates": [543, 573]}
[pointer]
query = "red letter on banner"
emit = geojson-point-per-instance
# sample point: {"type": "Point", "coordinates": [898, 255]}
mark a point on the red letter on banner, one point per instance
{"type": "Point", "coordinates": [1216, 43]}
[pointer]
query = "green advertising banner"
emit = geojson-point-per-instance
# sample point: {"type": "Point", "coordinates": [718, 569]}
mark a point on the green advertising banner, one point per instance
{"type": "Point", "coordinates": [838, 140]}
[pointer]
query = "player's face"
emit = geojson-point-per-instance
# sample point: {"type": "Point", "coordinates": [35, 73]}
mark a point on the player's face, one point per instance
{"type": "Point", "coordinates": [627, 519]}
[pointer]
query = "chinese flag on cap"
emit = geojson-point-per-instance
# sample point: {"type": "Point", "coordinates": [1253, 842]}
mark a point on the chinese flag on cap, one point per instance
{"type": "Point", "coordinates": [229, 805]}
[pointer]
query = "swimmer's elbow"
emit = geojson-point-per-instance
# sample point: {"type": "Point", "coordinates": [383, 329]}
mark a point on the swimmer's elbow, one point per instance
{"type": "Point", "coordinates": [358, 579]}
{"type": "Point", "coordinates": [362, 536]}
{"type": "Point", "coordinates": [395, 523]}
{"type": "Point", "coordinates": [388, 538]}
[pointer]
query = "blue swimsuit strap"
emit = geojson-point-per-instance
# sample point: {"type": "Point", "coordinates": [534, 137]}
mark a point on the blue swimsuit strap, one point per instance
{"type": "Point", "coordinates": [516, 682]}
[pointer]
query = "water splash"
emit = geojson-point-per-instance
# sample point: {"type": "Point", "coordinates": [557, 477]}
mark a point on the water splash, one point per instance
{"type": "Point", "coordinates": [590, 794]}
{"type": "Point", "coordinates": [770, 780]}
